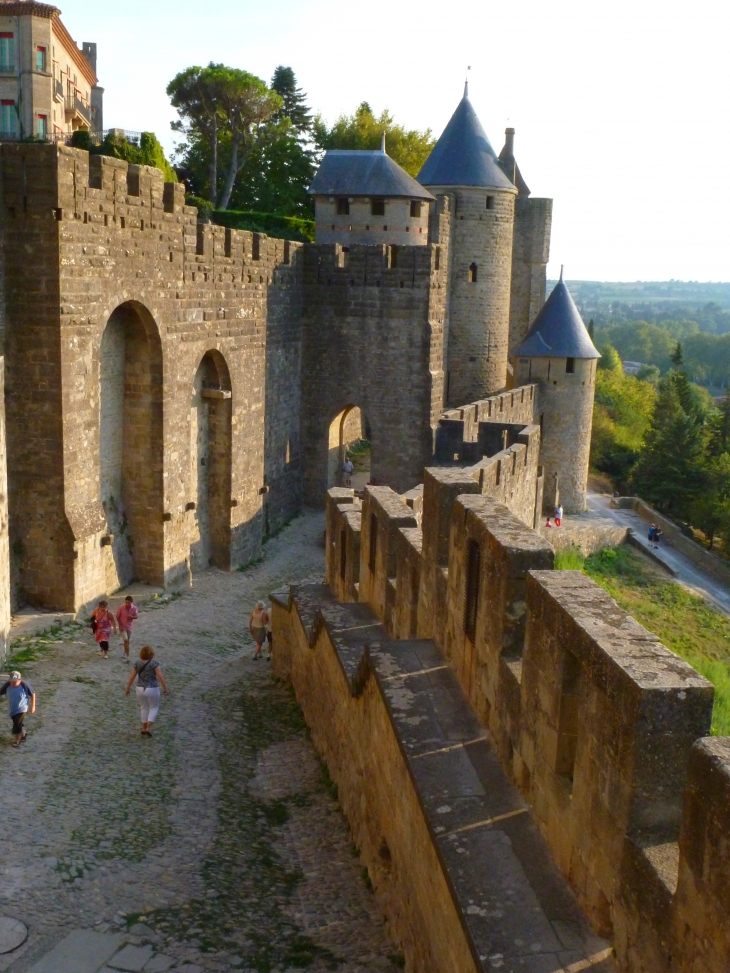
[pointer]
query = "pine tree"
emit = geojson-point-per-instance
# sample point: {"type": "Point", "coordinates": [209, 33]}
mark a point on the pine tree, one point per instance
{"type": "Point", "coordinates": [669, 473]}
{"type": "Point", "coordinates": [591, 329]}
{"type": "Point", "coordinates": [284, 83]}
{"type": "Point", "coordinates": [719, 439]}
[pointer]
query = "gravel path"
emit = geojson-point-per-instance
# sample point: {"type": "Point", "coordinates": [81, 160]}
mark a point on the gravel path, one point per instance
{"type": "Point", "coordinates": [219, 841]}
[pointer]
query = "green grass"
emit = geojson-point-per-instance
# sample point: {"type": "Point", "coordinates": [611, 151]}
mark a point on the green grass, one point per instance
{"type": "Point", "coordinates": [685, 623]}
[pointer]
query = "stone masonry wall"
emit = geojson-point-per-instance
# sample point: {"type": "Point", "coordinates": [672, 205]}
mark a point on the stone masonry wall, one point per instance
{"type": "Point", "coordinates": [479, 302]}
{"type": "Point", "coordinates": [599, 725]}
{"type": "Point", "coordinates": [565, 413]}
{"type": "Point", "coordinates": [374, 338]}
{"type": "Point", "coordinates": [530, 255]}
{"type": "Point", "coordinates": [5, 586]}
{"type": "Point", "coordinates": [94, 236]}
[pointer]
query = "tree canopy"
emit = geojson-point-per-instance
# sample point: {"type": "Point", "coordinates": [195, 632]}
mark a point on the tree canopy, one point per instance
{"type": "Point", "coordinates": [223, 112]}
{"type": "Point", "coordinates": [274, 163]}
{"type": "Point", "coordinates": [146, 152]}
{"type": "Point", "coordinates": [364, 130]}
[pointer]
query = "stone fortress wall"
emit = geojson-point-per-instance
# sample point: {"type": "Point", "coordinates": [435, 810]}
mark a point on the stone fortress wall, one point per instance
{"type": "Point", "coordinates": [129, 298]}
{"type": "Point", "coordinates": [601, 729]}
{"type": "Point", "coordinates": [373, 337]}
{"type": "Point", "coordinates": [530, 255]}
{"type": "Point", "coordinates": [171, 384]}
{"type": "Point", "coordinates": [4, 527]}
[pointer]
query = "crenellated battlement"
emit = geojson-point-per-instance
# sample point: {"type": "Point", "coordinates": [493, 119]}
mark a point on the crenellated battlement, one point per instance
{"type": "Point", "coordinates": [599, 725]}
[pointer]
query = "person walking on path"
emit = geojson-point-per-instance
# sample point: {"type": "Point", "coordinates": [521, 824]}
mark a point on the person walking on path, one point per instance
{"type": "Point", "coordinates": [257, 623]}
{"type": "Point", "coordinates": [657, 537]}
{"type": "Point", "coordinates": [102, 623]}
{"type": "Point", "coordinates": [650, 535]}
{"type": "Point", "coordinates": [126, 615]}
{"type": "Point", "coordinates": [559, 515]}
{"type": "Point", "coordinates": [149, 678]}
{"type": "Point", "coordinates": [21, 698]}
{"type": "Point", "coordinates": [269, 635]}
{"type": "Point", "coordinates": [347, 469]}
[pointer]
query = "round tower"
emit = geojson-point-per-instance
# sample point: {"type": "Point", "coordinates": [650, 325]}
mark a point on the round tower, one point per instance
{"type": "Point", "coordinates": [560, 357]}
{"type": "Point", "coordinates": [464, 165]}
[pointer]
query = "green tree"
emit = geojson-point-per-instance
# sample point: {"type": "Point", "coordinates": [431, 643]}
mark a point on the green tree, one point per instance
{"type": "Point", "coordinates": [294, 101]}
{"type": "Point", "coordinates": [223, 112]}
{"type": "Point", "coordinates": [364, 130]}
{"type": "Point", "coordinates": [148, 152]}
{"type": "Point", "coordinates": [621, 417]}
{"type": "Point", "coordinates": [609, 360]}
{"type": "Point", "coordinates": [719, 430]}
{"type": "Point", "coordinates": [669, 472]}
{"type": "Point", "coordinates": [711, 508]}
{"type": "Point", "coordinates": [280, 169]}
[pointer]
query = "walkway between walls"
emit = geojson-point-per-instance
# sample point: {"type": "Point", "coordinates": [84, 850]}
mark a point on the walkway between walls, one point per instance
{"type": "Point", "coordinates": [505, 889]}
{"type": "Point", "coordinates": [216, 846]}
{"type": "Point", "coordinates": [682, 569]}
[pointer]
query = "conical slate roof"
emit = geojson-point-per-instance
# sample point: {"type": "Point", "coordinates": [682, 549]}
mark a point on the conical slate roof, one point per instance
{"type": "Point", "coordinates": [558, 330]}
{"type": "Point", "coordinates": [359, 172]}
{"type": "Point", "coordinates": [463, 155]}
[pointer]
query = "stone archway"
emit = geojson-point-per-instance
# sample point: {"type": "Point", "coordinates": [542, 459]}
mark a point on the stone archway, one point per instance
{"type": "Point", "coordinates": [349, 434]}
{"type": "Point", "coordinates": [131, 445]}
{"type": "Point", "coordinates": [210, 464]}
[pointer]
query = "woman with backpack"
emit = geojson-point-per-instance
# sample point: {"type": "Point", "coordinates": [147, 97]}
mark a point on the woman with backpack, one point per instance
{"type": "Point", "coordinates": [149, 679]}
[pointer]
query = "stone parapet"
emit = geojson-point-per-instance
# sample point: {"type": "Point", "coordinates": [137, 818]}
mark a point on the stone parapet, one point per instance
{"type": "Point", "coordinates": [598, 724]}
{"type": "Point", "coordinates": [455, 861]}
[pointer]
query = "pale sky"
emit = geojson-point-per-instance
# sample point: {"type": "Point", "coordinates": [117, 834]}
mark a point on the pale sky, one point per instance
{"type": "Point", "coordinates": [620, 106]}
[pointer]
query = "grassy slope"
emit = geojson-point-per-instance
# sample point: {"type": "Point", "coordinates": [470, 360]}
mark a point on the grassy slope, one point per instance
{"type": "Point", "coordinates": [684, 623]}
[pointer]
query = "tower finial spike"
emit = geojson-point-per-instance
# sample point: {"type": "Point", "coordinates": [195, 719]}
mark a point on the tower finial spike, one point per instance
{"type": "Point", "coordinates": [466, 82]}
{"type": "Point", "coordinates": [382, 144]}
{"type": "Point", "coordinates": [561, 271]}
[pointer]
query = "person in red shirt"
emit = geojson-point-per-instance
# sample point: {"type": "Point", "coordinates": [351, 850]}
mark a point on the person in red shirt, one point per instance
{"type": "Point", "coordinates": [126, 615]}
{"type": "Point", "coordinates": [102, 623]}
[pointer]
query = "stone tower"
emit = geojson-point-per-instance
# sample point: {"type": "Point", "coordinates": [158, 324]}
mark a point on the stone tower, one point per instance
{"type": "Point", "coordinates": [464, 165]}
{"type": "Point", "coordinates": [530, 248]}
{"type": "Point", "coordinates": [559, 355]}
{"type": "Point", "coordinates": [364, 197]}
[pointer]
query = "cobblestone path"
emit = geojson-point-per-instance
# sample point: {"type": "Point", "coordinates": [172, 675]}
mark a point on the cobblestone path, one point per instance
{"type": "Point", "coordinates": [219, 841]}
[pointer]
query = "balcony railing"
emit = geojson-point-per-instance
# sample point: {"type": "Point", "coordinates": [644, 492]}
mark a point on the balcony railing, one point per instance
{"type": "Point", "coordinates": [75, 104]}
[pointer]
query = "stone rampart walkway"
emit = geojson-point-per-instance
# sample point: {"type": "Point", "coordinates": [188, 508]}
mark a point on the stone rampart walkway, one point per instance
{"type": "Point", "coordinates": [218, 845]}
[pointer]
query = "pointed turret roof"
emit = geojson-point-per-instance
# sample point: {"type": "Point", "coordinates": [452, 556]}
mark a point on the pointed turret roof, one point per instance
{"type": "Point", "coordinates": [558, 330]}
{"type": "Point", "coordinates": [463, 155]}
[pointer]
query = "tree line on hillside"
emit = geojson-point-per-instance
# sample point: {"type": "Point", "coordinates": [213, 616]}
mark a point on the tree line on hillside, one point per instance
{"type": "Point", "coordinates": [706, 355]}
{"type": "Point", "coordinates": [252, 146]}
{"type": "Point", "coordinates": [665, 439]}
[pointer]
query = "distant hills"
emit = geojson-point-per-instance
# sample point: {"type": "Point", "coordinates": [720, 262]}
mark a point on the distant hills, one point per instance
{"type": "Point", "coordinates": [696, 306]}
{"type": "Point", "coordinates": [689, 292]}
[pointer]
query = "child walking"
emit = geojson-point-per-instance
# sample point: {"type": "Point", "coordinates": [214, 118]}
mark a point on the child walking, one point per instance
{"type": "Point", "coordinates": [126, 615]}
{"type": "Point", "coordinates": [102, 623]}
{"type": "Point", "coordinates": [22, 700]}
